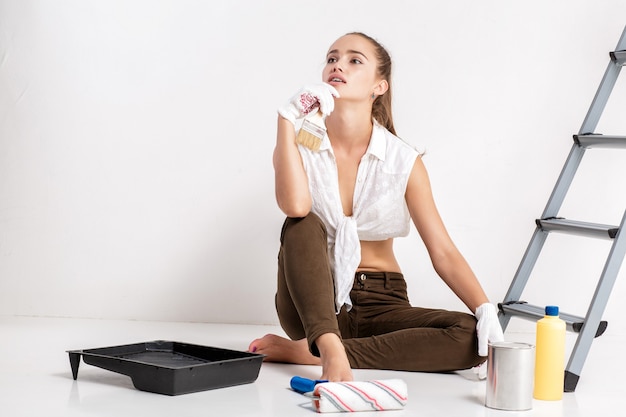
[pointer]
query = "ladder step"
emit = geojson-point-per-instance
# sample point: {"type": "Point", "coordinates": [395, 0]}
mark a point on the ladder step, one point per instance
{"type": "Point", "coordinates": [557, 224]}
{"type": "Point", "coordinates": [619, 57]}
{"type": "Point", "coordinates": [527, 311]}
{"type": "Point", "coordinates": [600, 141]}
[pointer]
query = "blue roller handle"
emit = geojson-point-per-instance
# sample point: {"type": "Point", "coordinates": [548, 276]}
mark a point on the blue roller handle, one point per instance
{"type": "Point", "coordinates": [303, 385]}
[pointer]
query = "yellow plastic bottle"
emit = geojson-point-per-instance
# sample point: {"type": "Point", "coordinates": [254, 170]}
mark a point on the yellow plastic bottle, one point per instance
{"type": "Point", "coordinates": [550, 356]}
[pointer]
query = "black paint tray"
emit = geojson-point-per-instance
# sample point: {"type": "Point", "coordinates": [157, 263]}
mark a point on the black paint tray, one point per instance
{"type": "Point", "coordinates": [173, 368]}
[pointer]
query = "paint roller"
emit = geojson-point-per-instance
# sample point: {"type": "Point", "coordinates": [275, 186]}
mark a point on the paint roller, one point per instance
{"type": "Point", "coordinates": [334, 397]}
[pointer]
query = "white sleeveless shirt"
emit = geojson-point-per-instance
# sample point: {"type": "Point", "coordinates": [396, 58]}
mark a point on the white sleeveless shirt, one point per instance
{"type": "Point", "coordinates": [379, 209]}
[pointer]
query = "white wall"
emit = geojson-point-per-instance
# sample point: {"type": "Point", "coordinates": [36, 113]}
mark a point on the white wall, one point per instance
{"type": "Point", "coordinates": [136, 141]}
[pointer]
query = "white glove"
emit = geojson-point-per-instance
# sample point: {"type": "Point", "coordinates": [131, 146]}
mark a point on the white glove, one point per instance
{"type": "Point", "coordinates": [480, 370]}
{"type": "Point", "coordinates": [320, 96]}
{"type": "Point", "coordinates": [488, 327]}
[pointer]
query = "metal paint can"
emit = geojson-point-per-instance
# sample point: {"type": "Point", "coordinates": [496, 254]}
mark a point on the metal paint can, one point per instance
{"type": "Point", "coordinates": [510, 376]}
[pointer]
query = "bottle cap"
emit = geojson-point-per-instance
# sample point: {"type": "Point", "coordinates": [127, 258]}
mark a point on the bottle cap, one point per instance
{"type": "Point", "coordinates": [552, 311]}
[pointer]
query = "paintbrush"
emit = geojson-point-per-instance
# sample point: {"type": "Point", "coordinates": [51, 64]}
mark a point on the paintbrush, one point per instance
{"type": "Point", "coordinates": [312, 131]}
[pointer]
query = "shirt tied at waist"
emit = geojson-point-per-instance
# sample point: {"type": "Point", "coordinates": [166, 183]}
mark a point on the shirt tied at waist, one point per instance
{"type": "Point", "coordinates": [347, 257]}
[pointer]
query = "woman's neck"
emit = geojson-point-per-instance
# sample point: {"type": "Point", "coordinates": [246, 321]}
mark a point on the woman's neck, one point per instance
{"type": "Point", "coordinates": [349, 127]}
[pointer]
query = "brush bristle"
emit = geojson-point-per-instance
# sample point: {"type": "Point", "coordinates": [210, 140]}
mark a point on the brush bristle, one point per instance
{"type": "Point", "coordinates": [311, 134]}
{"type": "Point", "coordinates": [309, 140]}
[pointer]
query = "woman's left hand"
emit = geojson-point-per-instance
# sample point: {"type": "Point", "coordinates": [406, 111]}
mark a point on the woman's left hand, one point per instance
{"type": "Point", "coordinates": [488, 327]}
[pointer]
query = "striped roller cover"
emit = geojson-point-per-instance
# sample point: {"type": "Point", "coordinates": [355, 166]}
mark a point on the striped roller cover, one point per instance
{"type": "Point", "coordinates": [334, 397]}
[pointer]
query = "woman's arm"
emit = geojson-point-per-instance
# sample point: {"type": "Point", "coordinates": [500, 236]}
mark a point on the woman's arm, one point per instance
{"type": "Point", "coordinates": [448, 262]}
{"type": "Point", "coordinates": [291, 183]}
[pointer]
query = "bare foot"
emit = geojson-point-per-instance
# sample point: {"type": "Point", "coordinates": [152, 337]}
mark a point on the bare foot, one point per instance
{"type": "Point", "coordinates": [279, 349]}
{"type": "Point", "coordinates": [333, 358]}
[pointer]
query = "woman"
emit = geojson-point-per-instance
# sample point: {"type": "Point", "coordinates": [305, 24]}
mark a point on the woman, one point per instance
{"type": "Point", "coordinates": [341, 296]}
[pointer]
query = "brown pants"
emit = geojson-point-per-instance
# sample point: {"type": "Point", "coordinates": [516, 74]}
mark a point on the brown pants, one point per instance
{"type": "Point", "coordinates": [382, 330]}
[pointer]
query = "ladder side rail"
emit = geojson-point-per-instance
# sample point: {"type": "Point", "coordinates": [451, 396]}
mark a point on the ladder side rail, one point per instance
{"type": "Point", "coordinates": [589, 125]}
{"type": "Point", "coordinates": [596, 307]}
{"type": "Point", "coordinates": [564, 182]}
{"type": "Point", "coordinates": [523, 272]}
{"type": "Point", "coordinates": [604, 91]}
{"type": "Point", "coordinates": [576, 154]}
{"type": "Point", "coordinates": [621, 44]}
{"type": "Point", "coordinates": [618, 250]}
{"type": "Point", "coordinates": [600, 99]}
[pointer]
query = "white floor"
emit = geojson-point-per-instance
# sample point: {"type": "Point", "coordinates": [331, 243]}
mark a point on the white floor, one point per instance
{"type": "Point", "coordinates": [36, 379]}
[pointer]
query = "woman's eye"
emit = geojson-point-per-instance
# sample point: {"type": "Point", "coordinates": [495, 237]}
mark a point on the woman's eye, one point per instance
{"type": "Point", "coordinates": [356, 61]}
{"type": "Point", "coordinates": [331, 60]}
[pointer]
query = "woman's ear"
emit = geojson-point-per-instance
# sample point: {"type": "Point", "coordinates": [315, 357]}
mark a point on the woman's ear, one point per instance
{"type": "Point", "coordinates": [381, 88]}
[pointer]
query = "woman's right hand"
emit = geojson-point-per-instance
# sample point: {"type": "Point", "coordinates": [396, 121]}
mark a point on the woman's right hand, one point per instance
{"type": "Point", "coordinates": [310, 97]}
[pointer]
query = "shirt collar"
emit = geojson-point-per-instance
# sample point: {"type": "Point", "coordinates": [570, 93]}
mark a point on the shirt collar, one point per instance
{"type": "Point", "coordinates": [376, 147]}
{"type": "Point", "coordinates": [378, 143]}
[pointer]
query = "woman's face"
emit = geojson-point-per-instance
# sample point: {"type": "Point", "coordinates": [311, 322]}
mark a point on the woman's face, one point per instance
{"type": "Point", "coordinates": [351, 68]}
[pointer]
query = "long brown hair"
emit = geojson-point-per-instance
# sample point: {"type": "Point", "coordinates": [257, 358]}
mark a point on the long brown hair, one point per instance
{"type": "Point", "coordinates": [381, 108]}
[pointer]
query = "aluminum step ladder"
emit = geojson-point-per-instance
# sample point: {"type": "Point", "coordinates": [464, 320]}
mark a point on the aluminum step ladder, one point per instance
{"type": "Point", "coordinates": [591, 325]}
